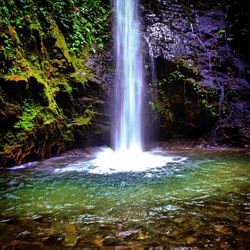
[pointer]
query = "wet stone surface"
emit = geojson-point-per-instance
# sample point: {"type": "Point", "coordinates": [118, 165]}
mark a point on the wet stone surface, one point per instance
{"type": "Point", "coordinates": [168, 235]}
{"type": "Point", "coordinates": [194, 42]}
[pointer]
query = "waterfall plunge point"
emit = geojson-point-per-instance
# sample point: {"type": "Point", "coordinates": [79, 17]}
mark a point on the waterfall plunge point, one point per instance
{"type": "Point", "coordinates": [127, 137]}
{"type": "Point", "coordinates": [129, 85]}
{"type": "Point", "coordinates": [128, 155]}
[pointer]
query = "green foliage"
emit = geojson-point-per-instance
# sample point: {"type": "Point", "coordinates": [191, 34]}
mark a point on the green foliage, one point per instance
{"type": "Point", "coordinates": [162, 82]}
{"type": "Point", "coordinates": [44, 45]}
{"type": "Point", "coordinates": [29, 114]}
{"type": "Point", "coordinates": [222, 35]}
{"type": "Point", "coordinates": [43, 11]}
{"type": "Point", "coordinates": [157, 107]}
{"type": "Point", "coordinates": [34, 115]}
{"type": "Point", "coordinates": [84, 120]}
{"type": "Point", "coordinates": [84, 23]}
{"type": "Point", "coordinates": [201, 90]}
{"type": "Point", "coordinates": [176, 76]}
{"type": "Point", "coordinates": [210, 107]}
{"type": "Point", "coordinates": [173, 77]}
{"type": "Point", "coordinates": [208, 98]}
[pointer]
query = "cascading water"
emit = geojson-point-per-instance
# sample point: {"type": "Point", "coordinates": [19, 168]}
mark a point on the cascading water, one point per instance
{"type": "Point", "coordinates": [128, 155]}
{"type": "Point", "coordinates": [127, 119]}
{"type": "Point", "coordinates": [129, 78]}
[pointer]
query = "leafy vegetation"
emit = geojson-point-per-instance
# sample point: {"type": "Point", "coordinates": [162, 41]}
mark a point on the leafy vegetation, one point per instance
{"type": "Point", "coordinates": [29, 114]}
{"type": "Point", "coordinates": [189, 102]}
{"type": "Point", "coordinates": [84, 24]}
{"type": "Point", "coordinates": [157, 107]}
{"type": "Point", "coordinates": [44, 46]}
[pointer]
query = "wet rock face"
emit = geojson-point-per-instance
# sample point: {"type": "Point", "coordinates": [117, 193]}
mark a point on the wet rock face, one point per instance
{"type": "Point", "coordinates": [234, 128]}
{"type": "Point", "coordinates": [103, 66]}
{"type": "Point", "coordinates": [194, 43]}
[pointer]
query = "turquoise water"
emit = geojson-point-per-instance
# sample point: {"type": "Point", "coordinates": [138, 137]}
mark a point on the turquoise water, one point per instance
{"type": "Point", "coordinates": [203, 200]}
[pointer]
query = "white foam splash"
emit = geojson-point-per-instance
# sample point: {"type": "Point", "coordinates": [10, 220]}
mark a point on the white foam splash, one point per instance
{"type": "Point", "coordinates": [108, 162]}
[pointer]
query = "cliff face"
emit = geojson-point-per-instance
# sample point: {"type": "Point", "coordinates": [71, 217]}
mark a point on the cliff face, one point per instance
{"type": "Point", "coordinates": [49, 99]}
{"type": "Point", "coordinates": [200, 85]}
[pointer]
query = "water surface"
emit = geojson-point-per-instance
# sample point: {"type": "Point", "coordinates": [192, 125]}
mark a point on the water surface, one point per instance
{"type": "Point", "coordinates": [202, 201]}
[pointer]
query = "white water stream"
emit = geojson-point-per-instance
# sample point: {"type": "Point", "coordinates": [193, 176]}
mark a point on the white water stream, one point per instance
{"type": "Point", "coordinates": [128, 155]}
{"type": "Point", "coordinates": [129, 78]}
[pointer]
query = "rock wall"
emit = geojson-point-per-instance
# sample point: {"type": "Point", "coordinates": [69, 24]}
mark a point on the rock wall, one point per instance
{"type": "Point", "coordinates": [201, 85]}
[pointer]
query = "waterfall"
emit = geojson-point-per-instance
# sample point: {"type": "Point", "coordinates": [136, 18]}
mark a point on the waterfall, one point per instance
{"type": "Point", "coordinates": [128, 154]}
{"type": "Point", "coordinates": [127, 120]}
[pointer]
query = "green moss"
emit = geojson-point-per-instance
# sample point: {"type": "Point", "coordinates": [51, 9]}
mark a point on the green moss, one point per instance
{"type": "Point", "coordinates": [60, 84]}
{"type": "Point", "coordinates": [39, 60]}
{"type": "Point", "coordinates": [208, 97]}
{"type": "Point", "coordinates": [170, 117]}
{"type": "Point", "coordinates": [14, 77]}
{"type": "Point", "coordinates": [84, 120]}
{"type": "Point", "coordinates": [56, 33]}
{"type": "Point", "coordinates": [157, 107]}
{"type": "Point", "coordinates": [36, 26]}
{"type": "Point", "coordinates": [34, 115]}
{"type": "Point", "coordinates": [201, 89]}
{"type": "Point", "coordinates": [175, 76]}
{"type": "Point", "coordinates": [29, 114]}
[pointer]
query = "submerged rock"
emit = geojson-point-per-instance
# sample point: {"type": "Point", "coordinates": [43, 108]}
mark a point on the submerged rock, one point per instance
{"type": "Point", "coordinates": [223, 230]}
{"type": "Point", "coordinates": [190, 239]}
{"type": "Point", "coordinates": [128, 234]}
{"type": "Point", "coordinates": [24, 235]}
{"type": "Point", "coordinates": [20, 244]}
{"type": "Point", "coordinates": [111, 241]}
